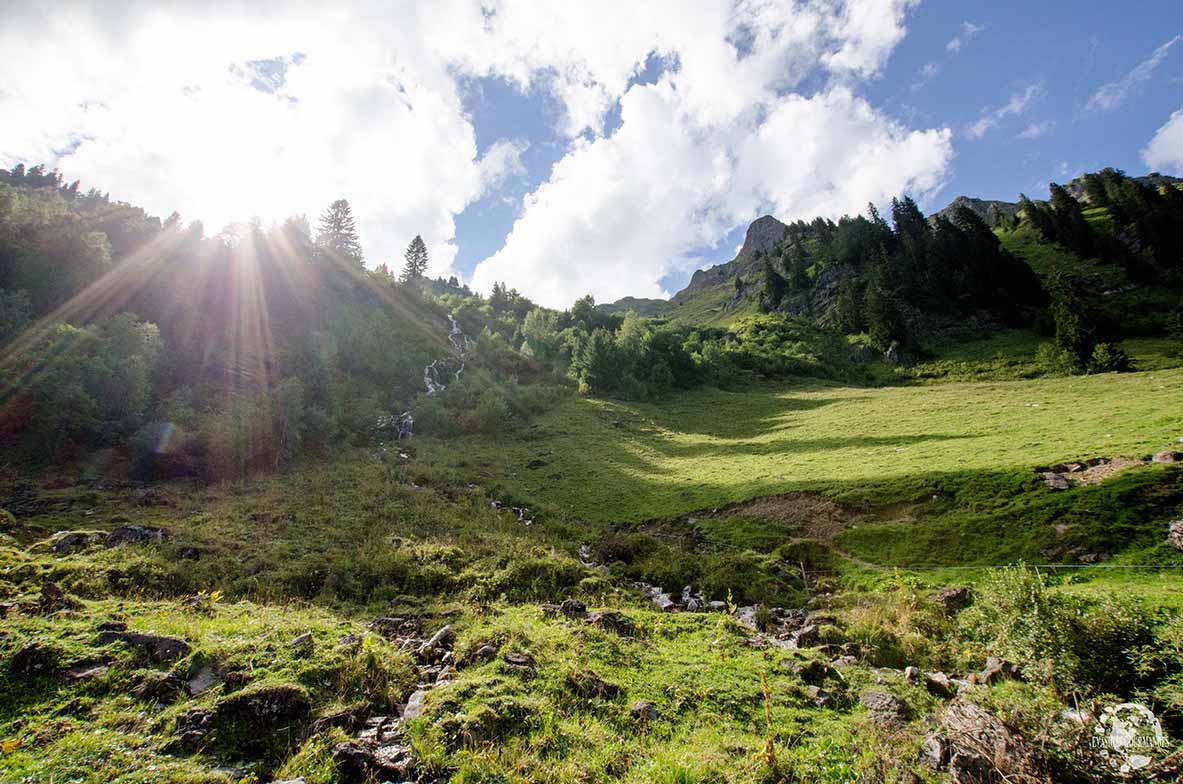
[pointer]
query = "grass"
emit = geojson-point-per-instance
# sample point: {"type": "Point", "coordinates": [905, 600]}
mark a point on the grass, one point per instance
{"type": "Point", "coordinates": [610, 462]}
{"type": "Point", "coordinates": [851, 483]}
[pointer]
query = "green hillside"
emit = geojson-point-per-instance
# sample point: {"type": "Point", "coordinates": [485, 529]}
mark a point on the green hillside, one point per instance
{"type": "Point", "coordinates": [268, 515]}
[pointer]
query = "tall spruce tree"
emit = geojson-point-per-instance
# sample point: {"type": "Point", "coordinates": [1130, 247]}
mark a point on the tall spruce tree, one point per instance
{"type": "Point", "coordinates": [416, 260]}
{"type": "Point", "coordinates": [337, 234]}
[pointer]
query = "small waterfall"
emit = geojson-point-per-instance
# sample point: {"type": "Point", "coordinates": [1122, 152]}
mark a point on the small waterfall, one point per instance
{"type": "Point", "coordinates": [461, 345]}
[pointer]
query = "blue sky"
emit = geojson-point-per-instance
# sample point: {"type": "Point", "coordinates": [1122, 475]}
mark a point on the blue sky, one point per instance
{"type": "Point", "coordinates": [571, 148]}
{"type": "Point", "coordinates": [1067, 51]}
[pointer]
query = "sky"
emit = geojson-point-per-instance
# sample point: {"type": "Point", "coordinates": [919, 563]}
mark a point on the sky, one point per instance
{"type": "Point", "coordinates": [608, 148]}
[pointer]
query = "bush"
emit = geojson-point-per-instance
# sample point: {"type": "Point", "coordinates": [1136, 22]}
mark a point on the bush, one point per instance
{"type": "Point", "coordinates": [1058, 638]}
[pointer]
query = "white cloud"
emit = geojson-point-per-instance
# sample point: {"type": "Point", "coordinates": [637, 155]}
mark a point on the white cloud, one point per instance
{"type": "Point", "coordinates": [159, 102]}
{"type": "Point", "coordinates": [1037, 130]}
{"type": "Point", "coordinates": [1110, 96]}
{"type": "Point", "coordinates": [1164, 153]}
{"type": "Point", "coordinates": [967, 33]}
{"type": "Point", "coordinates": [1017, 105]}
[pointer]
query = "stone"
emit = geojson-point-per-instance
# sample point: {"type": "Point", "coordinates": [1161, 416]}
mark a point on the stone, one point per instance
{"type": "Point", "coordinates": [358, 762]}
{"type": "Point", "coordinates": [1055, 481]}
{"type": "Point", "coordinates": [81, 673]}
{"type": "Point", "coordinates": [297, 780]}
{"type": "Point", "coordinates": [161, 687]}
{"type": "Point", "coordinates": [953, 599]}
{"type": "Point", "coordinates": [573, 608]}
{"type": "Point", "coordinates": [997, 669]}
{"type": "Point", "coordinates": [805, 637]}
{"type": "Point", "coordinates": [518, 660]}
{"type": "Point", "coordinates": [66, 542]}
{"type": "Point", "coordinates": [816, 671]}
{"type": "Point", "coordinates": [158, 648]}
{"type": "Point", "coordinates": [54, 599]}
{"type": "Point", "coordinates": [643, 711]}
{"type": "Point", "coordinates": [938, 684]}
{"type": "Point", "coordinates": [257, 713]}
{"type": "Point", "coordinates": [345, 719]}
{"type": "Point", "coordinates": [136, 534]}
{"type": "Point", "coordinates": [614, 622]}
{"type": "Point", "coordinates": [975, 747]}
{"type": "Point", "coordinates": [36, 659]}
{"type": "Point", "coordinates": [414, 707]}
{"type": "Point", "coordinates": [396, 627]}
{"type": "Point", "coordinates": [717, 606]}
{"type": "Point", "coordinates": [1167, 456]}
{"type": "Point", "coordinates": [589, 685]}
{"type": "Point", "coordinates": [819, 696]}
{"type": "Point", "coordinates": [352, 641]}
{"type": "Point", "coordinates": [437, 646]}
{"type": "Point", "coordinates": [911, 674]}
{"type": "Point", "coordinates": [1175, 534]}
{"type": "Point", "coordinates": [192, 728]}
{"type": "Point", "coordinates": [205, 679]}
{"type": "Point", "coordinates": [549, 610]}
{"type": "Point", "coordinates": [486, 652]}
{"type": "Point", "coordinates": [302, 644]}
{"type": "Point", "coordinates": [886, 710]}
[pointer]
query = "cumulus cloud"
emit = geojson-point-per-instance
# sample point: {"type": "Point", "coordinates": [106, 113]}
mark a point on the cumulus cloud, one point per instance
{"type": "Point", "coordinates": [230, 110]}
{"type": "Point", "coordinates": [968, 31]}
{"type": "Point", "coordinates": [1110, 96]}
{"type": "Point", "coordinates": [1017, 105]}
{"type": "Point", "coordinates": [1165, 151]}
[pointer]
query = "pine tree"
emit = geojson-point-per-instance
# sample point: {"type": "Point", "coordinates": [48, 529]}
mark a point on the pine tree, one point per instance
{"type": "Point", "coordinates": [416, 257]}
{"type": "Point", "coordinates": [337, 234]}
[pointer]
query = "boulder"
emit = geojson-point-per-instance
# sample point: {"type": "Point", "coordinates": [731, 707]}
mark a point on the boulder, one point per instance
{"type": "Point", "coordinates": [806, 637]}
{"type": "Point", "coordinates": [193, 727]}
{"type": "Point", "coordinates": [573, 608]}
{"type": "Point", "coordinates": [975, 747]}
{"type": "Point", "coordinates": [614, 622]}
{"type": "Point", "coordinates": [643, 711]}
{"type": "Point", "coordinates": [938, 684]}
{"type": "Point", "coordinates": [1175, 534]}
{"type": "Point", "coordinates": [302, 644]}
{"type": "Point", "coordinates": [1055, 481]}
{"type": "Point", "coordinates": [518, 660]}
{"type": "Point", "coordinates": [157, 648]}
{"type": "Point", "coordinates": [885, 710]}
{"type": "Point", "coordinates": [345, 719]}
{"type": "Point", "coordinates": [136, 534]}
{"type": "Point", "coordinates": [161, 687]}
{"type": "Point", "coordinates": [256, 714]}
{"type": "Point", "coordinates": [36, 659]}
{"type": "Point", "coordinates": [435, 648]}
{"type": "Point", "coordinates": [414, 707]}
{"type": "Point", "coordinates": [205, 679]}
{"type": "Point", "coordinates": [819, 696]}
{"type": "Point", "coordinates": [54, 599]}
{"type": "Point", "coordinates": [815, 672]}
{"type": "Point", "coordinates": [358, 762]}
{"type": "Point", "coordinates": [996, 670]}
{"type": "Point", "coordinates": [953, 599]}
{"type": "Point", "coordinates": [589, 685]}
{"type": "Point", "coordinates": [81, 673]}
{"type": "Point", "coordinates": [1167, 456]}
{"type": "Point", "coordinates": [391, 627]}
{"type": "Point", "coordinates": [484, 653]}
{"type": "Point", "coordinates": [66, 542]}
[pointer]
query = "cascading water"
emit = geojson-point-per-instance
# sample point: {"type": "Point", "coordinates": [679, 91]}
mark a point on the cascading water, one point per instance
{"type": "Point", "coordinates": [403, 425]}
{"type": "Point", "coordinates": [461, 345]}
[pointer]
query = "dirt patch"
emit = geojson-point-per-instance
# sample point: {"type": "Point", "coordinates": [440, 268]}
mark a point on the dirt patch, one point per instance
{"type": "Point", "coordinates": [1088, 472]}
{"type": "Point", "coordinates": [814, 515]}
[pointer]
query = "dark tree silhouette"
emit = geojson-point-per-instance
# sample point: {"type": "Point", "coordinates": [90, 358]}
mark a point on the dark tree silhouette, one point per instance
{"type": "Point", "coordinates": [416, 260]}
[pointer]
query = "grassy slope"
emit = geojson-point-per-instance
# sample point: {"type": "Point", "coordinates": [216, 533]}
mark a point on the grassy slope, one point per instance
{"type": "Point", "coordinates": [614, 461]}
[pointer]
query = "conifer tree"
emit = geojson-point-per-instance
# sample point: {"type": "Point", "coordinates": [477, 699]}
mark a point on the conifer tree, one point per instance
{"type": "Point", "coordinates": [337, 234]}
{"type": "Point", "coordinates": [416, 257]}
